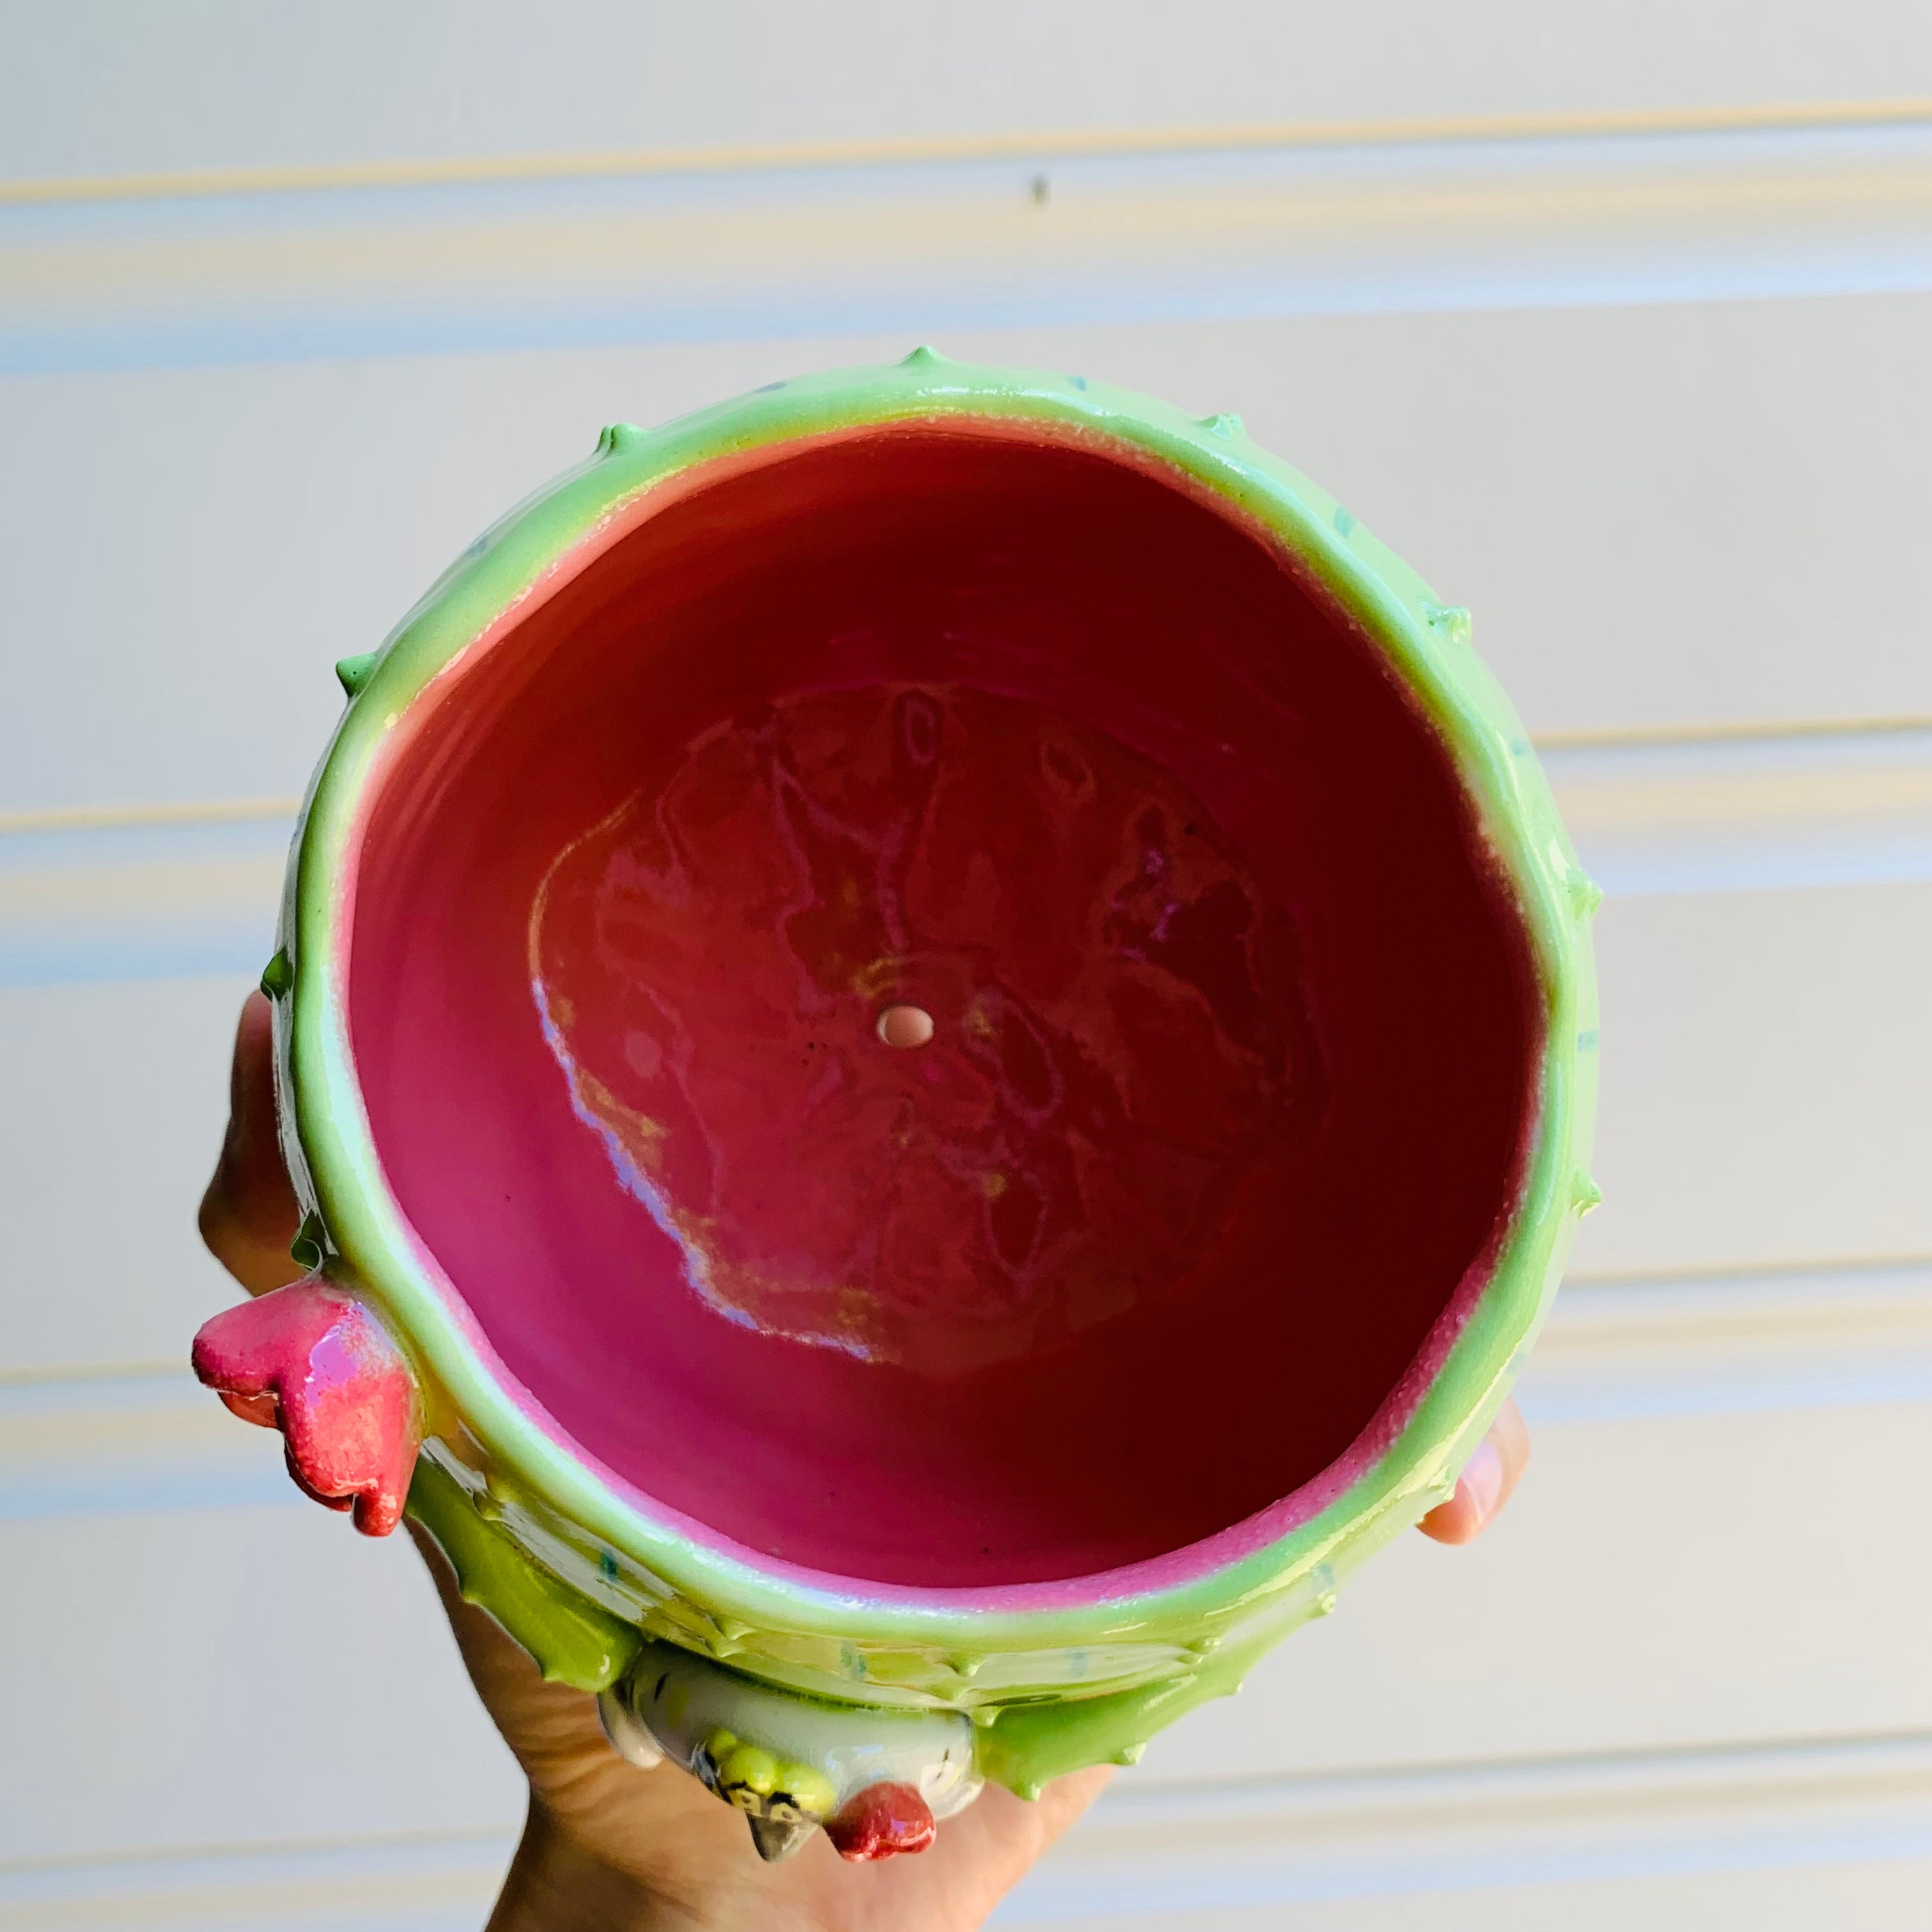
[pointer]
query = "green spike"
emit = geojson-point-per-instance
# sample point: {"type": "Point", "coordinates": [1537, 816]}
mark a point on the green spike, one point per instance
{"type": "Point", "coordinates": [1584, 1194]}
{"type": "Point", "coordinates": [310, 1244]}
{"type": "Point", "coordinates": [1130, 1754]}
{"type": "Point", "coordinates": [963, 1663]}
{"type": "Point", "coordinates": [1585, 894]}
{"type": "Point", "coordinates": [354, 672]}
{"type": "Point", "coordinates": [615, 438]}
{"type": "Point", "coordinates": [1451, 619]}
{"type": "Point", "coordinates": [922, 357]}
{"type": "Point", "coordinates": [504, 1492]}
{"type": "Point", "coordinates": [1224, 424]}
{"type": "Point", "coordinates": [572, 1639]}
{"type": "Point", "coordinates": [278, 976]}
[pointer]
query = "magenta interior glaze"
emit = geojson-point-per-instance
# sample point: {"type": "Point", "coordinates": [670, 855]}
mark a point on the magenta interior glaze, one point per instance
{"type": "Point", "coordinates": [1234, 1024]}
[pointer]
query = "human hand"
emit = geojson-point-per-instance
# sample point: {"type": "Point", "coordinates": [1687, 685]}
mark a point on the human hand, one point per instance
{"type": "Point", "coordinates": [610, 1847]}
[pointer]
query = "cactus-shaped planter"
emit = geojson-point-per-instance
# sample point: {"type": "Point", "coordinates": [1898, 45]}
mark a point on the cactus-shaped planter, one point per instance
{"type": "Point", "coordinates": [937, 1039]}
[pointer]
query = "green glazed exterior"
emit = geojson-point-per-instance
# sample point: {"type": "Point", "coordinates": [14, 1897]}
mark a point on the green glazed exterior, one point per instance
{"type": "Point", "coordinates": [567, 1567]}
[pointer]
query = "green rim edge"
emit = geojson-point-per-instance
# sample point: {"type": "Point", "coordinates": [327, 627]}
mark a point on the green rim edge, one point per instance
{"type": "Point", "coordinates": [522, 1494]}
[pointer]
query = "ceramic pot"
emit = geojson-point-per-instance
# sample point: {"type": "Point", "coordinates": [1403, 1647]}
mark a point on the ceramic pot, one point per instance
{"type": "Point", "coordinates": [938, 1038]}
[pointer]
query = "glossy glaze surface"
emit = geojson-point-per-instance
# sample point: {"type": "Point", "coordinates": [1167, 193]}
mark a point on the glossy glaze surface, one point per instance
{"type": "Point", "coordinates": [1231, 1081]}
{"type": "Point", "coordinates": [1106, 1037]}
{"type": "Point", "coordinates": [877, 1783]}
{"type": "Point", "coordinates": [316, 1364]}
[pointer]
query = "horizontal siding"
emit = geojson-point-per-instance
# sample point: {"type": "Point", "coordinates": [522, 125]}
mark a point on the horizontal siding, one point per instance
{"type": "Point", "coordinates": [233, 1675]}
{"type": "Point", "coordinates": [1766, 1059]}
{"type": "Point", "coordinates": [1653, 1537]}
{"type": "Point", "coordinates": [286, 326]}
{"type": "Point", "coordinates": [1832, 1834]}
{"type": "Point", "coordinates": [112, 87]}
{"type": "Point", "coordinates": [116, 1097]}
{"type": "Point", "coordinates": [104, 1442]}
{"type": "Point", "coordinates": [244, 528]}
{"type": "Point", "coordinates": [701, 253]}
{"type": "Point", "coordinates": [138, 893]}
{"type": "Point", "coordinates": [1780, 1839]}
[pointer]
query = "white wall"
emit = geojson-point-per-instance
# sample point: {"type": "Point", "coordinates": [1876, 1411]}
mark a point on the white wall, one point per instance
{"type": "Point", "coordinates": [1611, 317]}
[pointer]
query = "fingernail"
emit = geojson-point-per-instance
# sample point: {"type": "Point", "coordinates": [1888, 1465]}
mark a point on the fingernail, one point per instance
{"type": "Point", "coordinates": [1481, 1484]}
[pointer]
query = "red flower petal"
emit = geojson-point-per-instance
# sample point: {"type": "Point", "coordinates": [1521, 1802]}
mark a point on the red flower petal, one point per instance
{"type": "Point", "coordinates": [317, 1365]}
{"type": "Point", "coordinates": [880, 1822]}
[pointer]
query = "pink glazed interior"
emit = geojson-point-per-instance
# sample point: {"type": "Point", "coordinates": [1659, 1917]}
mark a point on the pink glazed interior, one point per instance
{"type": "Point", "coordinates": [1230, 1084]}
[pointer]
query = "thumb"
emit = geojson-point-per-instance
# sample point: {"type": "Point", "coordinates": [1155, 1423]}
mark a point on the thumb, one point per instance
{"type": "Point", "coordinates": [248, 1215]}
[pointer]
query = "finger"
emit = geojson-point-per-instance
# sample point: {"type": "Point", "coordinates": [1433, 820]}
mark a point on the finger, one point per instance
{"type": "Point", "coordinates": [248, 1215]}
{"type": "Point", "coordinates": [1488, 1480]}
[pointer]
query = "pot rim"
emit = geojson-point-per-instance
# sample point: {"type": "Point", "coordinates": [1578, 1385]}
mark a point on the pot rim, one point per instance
{"type": "Point", "coordinates": [523, 1463]}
